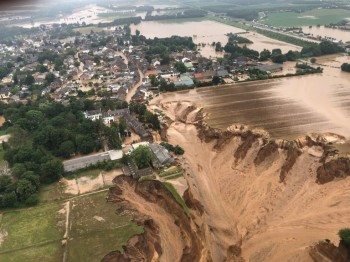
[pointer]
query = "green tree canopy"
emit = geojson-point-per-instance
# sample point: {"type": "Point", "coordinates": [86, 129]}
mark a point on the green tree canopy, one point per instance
{"type": "Point", "coordinates": [142, 156]}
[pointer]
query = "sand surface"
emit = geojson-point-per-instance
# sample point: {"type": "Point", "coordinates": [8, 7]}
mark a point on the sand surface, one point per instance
{"type": "Point", "coordinates": [247, 204]}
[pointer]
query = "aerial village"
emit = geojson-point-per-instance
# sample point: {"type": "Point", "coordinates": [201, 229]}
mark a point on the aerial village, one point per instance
{"type": "Point", "coordinates": [115, 74]}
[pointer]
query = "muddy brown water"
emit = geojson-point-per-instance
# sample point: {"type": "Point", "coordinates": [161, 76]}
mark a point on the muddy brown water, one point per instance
{"type": "Point", "coordinates": [340, 35]}
{"type": "Point", "coordinates": [207, 32]}
{"type": "Point", "coordinates": [286, 107]}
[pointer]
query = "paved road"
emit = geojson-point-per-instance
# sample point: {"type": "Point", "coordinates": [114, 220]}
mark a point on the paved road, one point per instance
{"type": "Point", "coordinates": [81, 162]}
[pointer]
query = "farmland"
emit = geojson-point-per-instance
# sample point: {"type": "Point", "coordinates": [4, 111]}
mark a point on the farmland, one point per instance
{"type": "Point", "coordinates": [312, 17]}
{"type": "Point", "coordinates": [87, 224]}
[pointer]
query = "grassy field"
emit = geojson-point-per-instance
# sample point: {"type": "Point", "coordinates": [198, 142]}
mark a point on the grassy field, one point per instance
{"type": "Point", "coordinates": [36, 234]}
{"type": "Point", "coordinates": [312, 17]}
{"type": "Point", "coordinates": [171, 172]}
{"type": "Point", "coordinates": [52, 252]}
{"type": "Point", "coordinates": [92, 173]}
{"type": "Point", "coordinates": [231, 23]}
{"type": "Point", "coordinates": [53, 192]}
{"type": "Point", "coordinates": [96, 229]}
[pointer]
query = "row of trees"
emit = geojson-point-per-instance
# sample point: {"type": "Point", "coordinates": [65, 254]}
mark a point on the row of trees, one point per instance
{"type": "Point", "coordinates": [42, 132]}
{"type": "Point", "coordinates": [278, 57]}
{"type": "Point", "coordinates": [323, 48]}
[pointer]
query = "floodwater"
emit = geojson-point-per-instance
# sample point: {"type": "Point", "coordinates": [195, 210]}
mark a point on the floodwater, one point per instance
{"type": "Point", "coordinates": [287, 107]}
{"type": "Point", "coordinates": [339, 35]}
{"type": "Point", "coordinates": [88, 14]}
{"type": "Point", "coordinates": [207, 32]}
{"type": "Point", "coordinates": [261, 42]}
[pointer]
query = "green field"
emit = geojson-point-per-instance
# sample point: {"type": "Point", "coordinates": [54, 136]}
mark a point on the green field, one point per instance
{"type": "Point", "coordinates": [36, 234]}
{"type": "Point", "coordinates": [53, 192]}
{"type": "Point", "coordinates": [96, 229]}
{"type": "Point", "coordinates": [312, 17]}
{"type": "Point", "coordinates": [33, 233]}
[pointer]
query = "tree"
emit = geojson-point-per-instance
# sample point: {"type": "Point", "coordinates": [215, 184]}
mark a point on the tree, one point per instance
{"type": "Point", "coordinates": [18, 170]}
{"type": "Point", "coordinates": [85, 144]}
{"type": "Point", "coordinates": [165, 59]}
{"type": "Point", "coordinates": [142, 156]}
{"type": "Point", "coordinates": [216, 80]}
{"type": "Point", "coordinates": [58, 64]}
{"type": "Point", "coordinates": [5, 182]}
{"type": "Point", "coordinates": [313, 60]}
{"type": "Point", "coordinates": [50, 77]}
{"type": "Point", "coordinates": [97, 59]}
{"type": "Point", "coordinates": [29, 80]}
{"type": "Point", "coordinates": [345, 67]}
{"type": "Point", "coordinates": [33, 178]}
{"type": "Point", "coordinates": [34, 118]}
{"type": "Point", "coordinates": [52, 171]}
{"type": "Point", "coordinates": [41, 68]}
{"type": "Point", "coordinates": [178, 150]}
{"type": "Point", "coordinates": [265, 54]}
{"type": "Point", "coordinates": [180, 67]}
{"type": "Point", "coordinates": [218, 47]}
{"type": "Point", "coordinates": [280, 59]}
{"type": "Point", "coordinates": [15, 79]}
{"type": "Point", "coordinates": [344, 234]}
{"type": "Point", "coordinates": [25, 189]}
{"type": "Point", "coordinates": [9, 199]}
{"type": "Point", "coordinates": [66, 149]}
{"type": "Point", "coordinates": [292, 55]}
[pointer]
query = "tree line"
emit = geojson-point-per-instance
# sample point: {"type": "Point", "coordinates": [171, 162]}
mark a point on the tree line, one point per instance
{"type": "Point", "coordinates": [42, 134]}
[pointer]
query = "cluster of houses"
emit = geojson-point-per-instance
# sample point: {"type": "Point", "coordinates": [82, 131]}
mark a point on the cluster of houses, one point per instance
{"type": "Point", "coordinates": [115, 115]}
{"type": "Point", "coordinates": [160, 158]}
{"type": "Point", "coordinates": [108, 70]}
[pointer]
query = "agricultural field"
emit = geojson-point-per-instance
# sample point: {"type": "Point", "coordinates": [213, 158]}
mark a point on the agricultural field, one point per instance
{"type": "Point", "coordinates": [312, 17]}
{"type": "Point", "coordinates": [33, 233]}
{"type": "Point", "coordinates": [95, 229]}
{"type": "Point", "coordinates": [88, 224]}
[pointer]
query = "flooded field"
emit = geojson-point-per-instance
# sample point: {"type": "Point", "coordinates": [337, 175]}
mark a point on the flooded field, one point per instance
{"type": "Point", "coordinates": [261, 42]}
{"type": "Point", "coordinates": [286, 108]}
{"type": "Point", "coordinates": [339, 35]}
{"type": "Point", "coordinates": [207, 32]}
{"type": "Point", "coordinates": [88, 14]}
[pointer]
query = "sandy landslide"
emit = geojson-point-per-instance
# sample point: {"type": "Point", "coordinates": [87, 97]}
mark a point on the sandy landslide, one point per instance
{"type": "Point", "coordinates": [246, 204]}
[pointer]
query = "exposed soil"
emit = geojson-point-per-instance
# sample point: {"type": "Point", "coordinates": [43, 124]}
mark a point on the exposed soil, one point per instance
{"type": "Point", "coordinates": [2, 120]}
{"type": "Point", "coordinates": [169, 234]}
{"type": "Point", "coordinates": [250, 198]}
{"type": "Point", "coordinates": [236, 176]}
